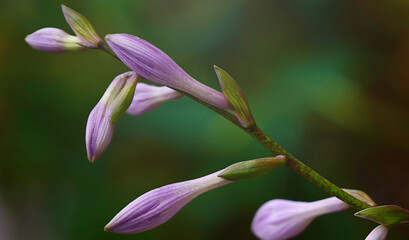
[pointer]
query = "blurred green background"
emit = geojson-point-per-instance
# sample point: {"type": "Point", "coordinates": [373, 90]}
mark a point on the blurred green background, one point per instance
{"type": "Point", "coordinates": [329, 80]}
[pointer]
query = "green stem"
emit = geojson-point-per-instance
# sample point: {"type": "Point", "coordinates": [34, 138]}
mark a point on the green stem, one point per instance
{"type": "Point", "coordinates": [292, 162]}
{"type": "Point", "coordinates": [299, 167]}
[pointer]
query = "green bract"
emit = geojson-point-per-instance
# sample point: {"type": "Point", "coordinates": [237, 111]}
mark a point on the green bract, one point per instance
{"type": "Point", "coordinates": [387, 215]}
{"type": "Point", "coordinates": [82, 28]}
{"type": "Point", "coordinates": [123, 99]}
{"type": "Point", "coordinates": [252, 168]}
{"type": "Point", "coordinates": [235, 95]}
{"type": "Point", "coordinates": [363, 196]}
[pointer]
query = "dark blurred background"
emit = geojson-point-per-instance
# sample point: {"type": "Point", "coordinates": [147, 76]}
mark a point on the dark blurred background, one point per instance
{"type": "Point", "coordinates": [328, 80]}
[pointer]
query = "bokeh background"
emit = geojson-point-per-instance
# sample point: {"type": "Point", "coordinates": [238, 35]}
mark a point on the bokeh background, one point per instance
{"type": "Point", "coordinates": [329, 80]}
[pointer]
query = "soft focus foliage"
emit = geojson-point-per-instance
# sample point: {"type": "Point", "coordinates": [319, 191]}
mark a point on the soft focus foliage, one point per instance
{"type": "Point", "coordinates": [328, 80]}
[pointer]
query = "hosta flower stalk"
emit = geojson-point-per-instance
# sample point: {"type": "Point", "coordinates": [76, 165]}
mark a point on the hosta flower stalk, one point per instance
{"type": "Point", "coordinates": [276, 219]}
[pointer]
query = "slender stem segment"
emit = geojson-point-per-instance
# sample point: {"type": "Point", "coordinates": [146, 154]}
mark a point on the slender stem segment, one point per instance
{"type": "Point", "coordinates": [292, 162]}
{"type": "Point", "coordinates": [299, 167]}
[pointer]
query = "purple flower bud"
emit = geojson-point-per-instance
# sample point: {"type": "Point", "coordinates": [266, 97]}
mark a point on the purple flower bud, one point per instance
{"type": "Point", "coordinates": [53, 40]}
{"type": "Point", "coordinates": [153, 64]}
{"type": "Point", "coordinates": [102, 119]}
{"type": "Point", "coordinates": [148, 97]}
{"type": "Point", "coordinates": [159, 205]}
{"type": "Point", "coordinates": [378, 233]}
{"type": "Point", "coordinates": [283, 219]}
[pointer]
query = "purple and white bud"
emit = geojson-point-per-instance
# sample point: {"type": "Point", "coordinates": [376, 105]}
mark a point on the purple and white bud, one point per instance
{"type": "Point", "coordinates": [153, 64]}
{"type": "Point", "coordinates": [148, 97]}
{"type": "Point", "coordinates": [102, 119]}
{"type": "Point", "coordinates": [53, 40]}
{"type": "Point", "coordinates": [378, 233]}
{"type": "Point", "coordinates": [159, 205]}
{"type": "Point", "coordinates": [280, 219]}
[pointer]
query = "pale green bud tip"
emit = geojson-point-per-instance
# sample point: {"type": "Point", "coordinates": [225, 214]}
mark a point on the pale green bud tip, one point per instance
{"type": "Point", "coordinates": [82, 28]}
{"type": "Point", "coordinates": [53, 40]}
{"type": "Point", "coordinates": [363, 196]}
{"type": "Point", "coordinates": [387, 215]}
{"type": "Point", "coordinates": [236, 97]}
{"type": "Point", "coordinates": [121, 102]}
{"type": "Point", "coordinates": [102, 119]}
{"type": "Point", "coordinates": [252, 168]}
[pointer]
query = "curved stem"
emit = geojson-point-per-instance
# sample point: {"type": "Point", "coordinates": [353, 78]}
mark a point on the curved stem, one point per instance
{"type": "Point", "coordinates": [293, 163]}
{"type": "Point", "coordinates": [299, 167]}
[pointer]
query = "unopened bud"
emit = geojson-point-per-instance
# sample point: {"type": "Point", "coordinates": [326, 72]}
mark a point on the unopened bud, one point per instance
{"type": "Point", "coordinates": [252, 168]}
{"type": "Point", "coordinates": [161, 204]}
{"type": "Point", "coordinates": [102, 119]}
{"type": "Point", "coordinates": [281, 219]}
{"type": "Point", "coordinates": [53, 40]}
{"type": "Point", "coordinates": [155, 65]}
{"type": "Point", "coordinates": [148, 97]}
{"type": "Point", "coordinates": [378, 233]}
